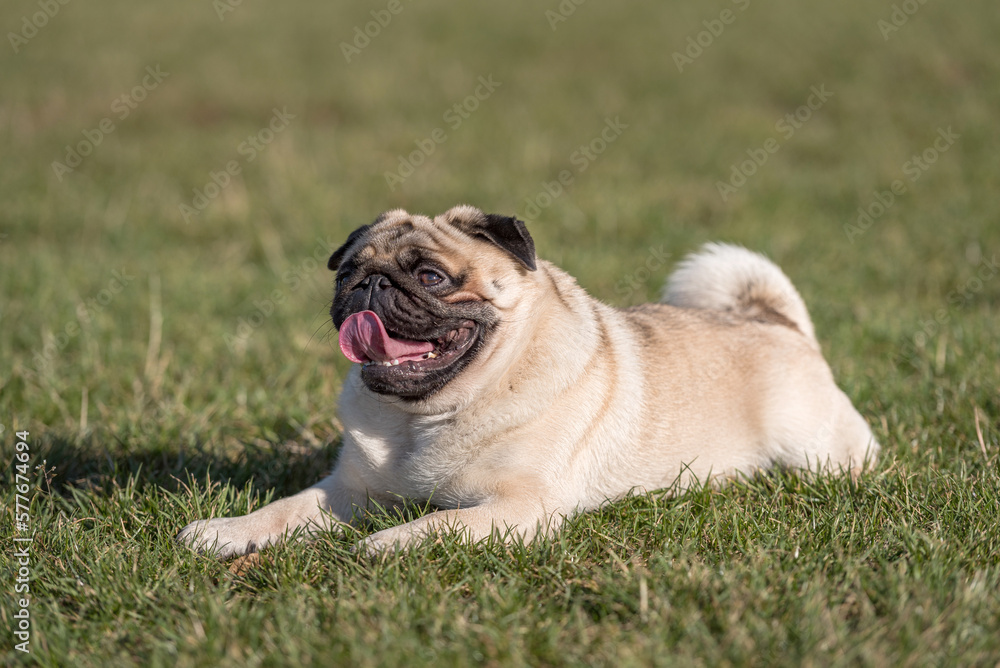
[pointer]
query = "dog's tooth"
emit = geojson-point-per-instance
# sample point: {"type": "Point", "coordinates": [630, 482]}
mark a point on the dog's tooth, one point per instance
{"type": "Point", "coordinates": [430, 355]}
{"type": "Point", "coordinates": [394, 363]}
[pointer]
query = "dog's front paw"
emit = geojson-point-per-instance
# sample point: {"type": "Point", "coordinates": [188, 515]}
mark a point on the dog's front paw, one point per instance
{"type": "Point", "coordinates": [387, 540]}
{"type": "Point", "coordinates": [224, 537]}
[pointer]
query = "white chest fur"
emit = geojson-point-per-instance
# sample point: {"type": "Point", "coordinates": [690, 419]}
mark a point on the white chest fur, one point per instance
{"type": "Point", "coordinates": [402, 455]}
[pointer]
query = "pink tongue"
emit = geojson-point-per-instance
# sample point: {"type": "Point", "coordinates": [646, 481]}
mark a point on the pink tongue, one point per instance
{"type": "Point", "coordinates": [363, 339]}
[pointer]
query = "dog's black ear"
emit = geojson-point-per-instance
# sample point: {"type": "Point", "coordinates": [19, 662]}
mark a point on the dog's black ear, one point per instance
{"type": "Point", "coordinates": [510, 234]}
{"type": "Point", "coordinates": [338, 254]}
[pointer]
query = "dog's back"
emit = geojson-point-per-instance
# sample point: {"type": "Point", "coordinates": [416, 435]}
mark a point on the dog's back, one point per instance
{"type": "Point", "coordinates": [805, 419]}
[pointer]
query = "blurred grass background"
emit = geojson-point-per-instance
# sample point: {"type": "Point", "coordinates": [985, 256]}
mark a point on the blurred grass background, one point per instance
{"type": "Point", "coordinates": [216, 351]}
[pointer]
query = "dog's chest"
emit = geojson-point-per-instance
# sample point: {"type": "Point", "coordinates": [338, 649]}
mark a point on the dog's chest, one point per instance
{"type": "Point", "coordinates": [417, 458]}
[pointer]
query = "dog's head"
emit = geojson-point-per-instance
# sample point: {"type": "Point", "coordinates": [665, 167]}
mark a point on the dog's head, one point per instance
{"type": "Point", "coordinates": [418, 299]}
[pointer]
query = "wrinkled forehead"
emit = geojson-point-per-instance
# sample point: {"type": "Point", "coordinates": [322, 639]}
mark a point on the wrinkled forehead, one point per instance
{"type": "Point", "coordinates": [397, 237]}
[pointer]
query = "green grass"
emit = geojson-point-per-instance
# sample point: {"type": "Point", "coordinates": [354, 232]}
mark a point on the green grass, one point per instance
{"type": "Point", "coordinates": [161, 404]}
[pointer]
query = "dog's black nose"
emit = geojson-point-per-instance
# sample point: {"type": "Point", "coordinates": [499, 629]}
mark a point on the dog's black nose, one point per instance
{"type": "Point", "coordinates": [376, 281]}
{"type": "Point", "coordinates": [372, 288]}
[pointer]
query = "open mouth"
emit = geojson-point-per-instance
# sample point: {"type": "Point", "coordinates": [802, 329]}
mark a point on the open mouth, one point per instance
{"type": "Point", "coordinates": [384, 355]}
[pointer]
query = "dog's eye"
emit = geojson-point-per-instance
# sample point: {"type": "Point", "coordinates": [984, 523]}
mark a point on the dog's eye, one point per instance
{"type": "Point", "coordinates": [429, 277]}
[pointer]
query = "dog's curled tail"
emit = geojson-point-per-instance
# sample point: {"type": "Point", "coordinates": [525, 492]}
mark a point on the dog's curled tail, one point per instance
{"type": "Point", "coordinates": [729, 278]}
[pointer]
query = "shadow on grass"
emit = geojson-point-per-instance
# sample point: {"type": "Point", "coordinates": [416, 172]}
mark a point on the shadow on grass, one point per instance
{"type": "Point", "coordinates": [99, 462]}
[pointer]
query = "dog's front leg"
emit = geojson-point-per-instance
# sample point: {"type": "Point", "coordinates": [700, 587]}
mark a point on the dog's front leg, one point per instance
{"type": "Point", "coordinates": [506, 519]}
{"type": "Point", "coordinates": [331, 502]}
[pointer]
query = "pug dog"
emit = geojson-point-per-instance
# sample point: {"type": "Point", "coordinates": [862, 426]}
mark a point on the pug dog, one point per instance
{"type": "Point", "coordinates": [487, 383]}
